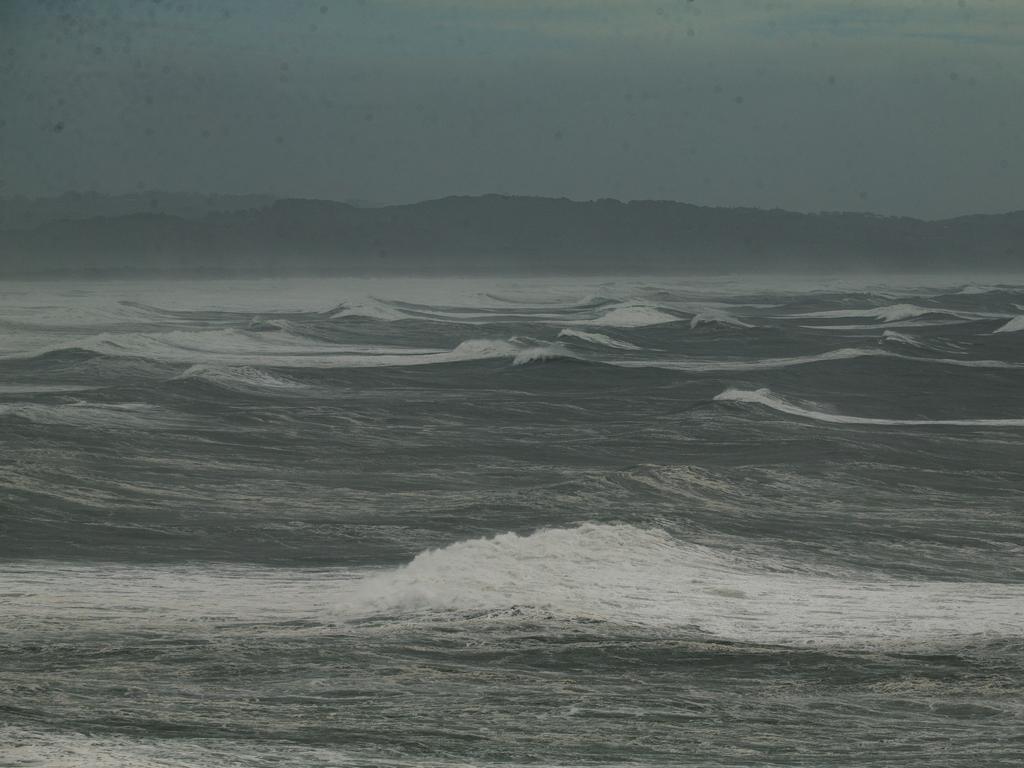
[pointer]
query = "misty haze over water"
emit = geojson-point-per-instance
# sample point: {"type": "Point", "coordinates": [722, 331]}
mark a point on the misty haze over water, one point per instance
{"type": "Point", "coordinates": [511, 383]}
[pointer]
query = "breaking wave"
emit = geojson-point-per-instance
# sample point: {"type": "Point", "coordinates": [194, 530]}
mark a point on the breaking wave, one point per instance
{"type": "Point", "coordinates": [373, 310]}
{"type": "Point", "coordinates": [238, 378]}
{"type": "Point", "coordinates": [237, 354]}
{"type": "Point", "coordinates": [632, 316]}
{"type": "Point", "coordinates": [275, 347]}
{"type": "Point", "coordinates": [596, 338]}
{"type": "Point", "coordinates": [627, 575]}
{"type": "Point", "coordinates": [902, 339]}
{"type": "Point", "coordinates": [765, 398]}
{"type": "Point", "coordinates": [697, 365]}
{"type": "Point", "coordinates": [522, 352]}
{"type": "Point", "coordinates": [543, 353]}
{"type": "Point", "coordinates": [717, 318]}
{"type": "Point", "coordinates": [1014, 325]}
{"type": "Point", "coordinates": [891, 313]}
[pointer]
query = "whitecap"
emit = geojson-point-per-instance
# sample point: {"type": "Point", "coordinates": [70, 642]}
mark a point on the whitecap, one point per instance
{"type": "Point", "coordinates": [1013, 326]}
{"type": "Point", "coordinates": [238, 378]}
{"type": "Point", "coordinates": [628, 575]}
{"type": "Point", "coordinates": [891, 313]}
{"type": "Point", "coordinates": [717, 317]}
{"type": "Point", "coordinates": [596, 338]}
{"type": "Point", "coordinates": [764, 397]}
{"type": "Point", "coordinates": [632, 316]}
{"type": "Point", "coordinates": [373, 310]}
{"type": "Point", "coordinates": [698, 365]}
{"type": "Point", "coordinates": [541, 353]}
{"type": "Point", "coordinates": [895, 337]}
{"type": "Point", "coordinates": [902, 338]}
{"type": "Point", "coordinates": [235, 347]}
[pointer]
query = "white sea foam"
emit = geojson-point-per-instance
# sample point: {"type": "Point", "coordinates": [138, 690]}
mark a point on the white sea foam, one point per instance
{"type": "Point", "coordinates": [372, 309]}
{"type": "Point", "coordinates": [244, 350]}
{"type": "Point", "coordinates": [717, 317]}
{"type": "Point", "coordinates": [596, 338]}
{"type": "Point", "coordinates": [30, 389]}
{"type": "Point", "coordinates": [1013, 326]}
{"type": "Point", "coordinates": [255, 349]}
{"type": "Point", "coordinates": [521, 351]}
{"type": "Point", "coordinates": [22, 747]}
{"type": "Point", "coordinates": [631, 316]}
{"type": "Point", "coordinates": [219, 345]}
{"type": "Point", "coordinates": [93, 415]}
{"type": "Point", "coordinates": [481, 349]}
{"type": "Point", "coordinates": [701, 365]}
{"type": "Point", "coordinates": [902, 338]}
{"type": "Point", "coordinates": [239, 378]}
{"type": "Point", "coordinates": [896, 338]}
{"type": "Point", "coordinates": [698, 365]}
{"type": "Point", "coordinates": [631, 576]}
{"type": "Point", "coordinates": [891, 313]}
{"type": "Point", "coordinates": [541, 353]}
{"type": "Point", "coordinates": [913, 323]}
{"type": "Point", "coordinates": [765, 398]}
{"type": "Point", "coordinates": [387, 311]}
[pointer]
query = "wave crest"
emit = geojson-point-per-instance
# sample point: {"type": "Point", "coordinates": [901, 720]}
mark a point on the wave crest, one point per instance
{"type": "Point", "coordinates": [596, 338]}
{"type": "Point", "coordinates": [238, 378]}
{"type": "Point", "coordinates": [627, 575]}
{"type": "Point", "coordinates": [765, 398]}
{"type": "Point", "coordinates": [1013, 326]}
{"type": "Point", "coordinates": [717, 318]}
{"type": "Point", "coordinates": [891, 313]}
{"type": "Point", "coordinates": [632, 316]}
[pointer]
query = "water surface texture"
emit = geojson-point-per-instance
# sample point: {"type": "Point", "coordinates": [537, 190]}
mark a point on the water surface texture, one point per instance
{"type": "Point", "coordinates": [511, 522]}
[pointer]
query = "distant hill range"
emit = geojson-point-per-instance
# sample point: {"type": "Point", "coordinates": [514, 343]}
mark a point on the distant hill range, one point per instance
{"type": "Point", "coordinates": [492, 234]}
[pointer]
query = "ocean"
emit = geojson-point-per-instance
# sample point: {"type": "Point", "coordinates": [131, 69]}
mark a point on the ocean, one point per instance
{"type": "Point", "coordinates": [505, 522]}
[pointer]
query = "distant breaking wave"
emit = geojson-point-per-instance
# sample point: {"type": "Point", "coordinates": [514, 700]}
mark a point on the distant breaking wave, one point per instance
{"type": "Point", "coordinates": [895, 337]}
{"type": "Point", "coordinates": [902, 338]}
{"type": "Point", "coordinates": [698, 365]}
{"type": "Point", "coordinates": [632, 316]}
{"type": "Point", "coordinates": [625, 575]}
{"type": "Point", "coordinates": [236, 354]}
{"type": "Point", "coordinates": [596, 338]}
{"type": "Point", "coordinates": [892, 313]}
{"type": "Point", "coordinates": [717, 317]}
{"type": "Point", "coordinates": [374, 310]}
{"type": "Point", "coordinates": [765, 398]}
{"type": "Point", "coordinates": [238, 378]}
{"type": "Point", "coordinates": [522, 352]}
{"type": "Point", "coordinates": [1013, 326]}
{"type": "Point", "coordinates": [609, 314]}
{"type": "Point", "coordinates": [238, 347]}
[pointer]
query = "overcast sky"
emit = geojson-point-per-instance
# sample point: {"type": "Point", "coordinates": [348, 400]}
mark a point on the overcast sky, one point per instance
{"type": "Point", "coordinates": [897, 106]}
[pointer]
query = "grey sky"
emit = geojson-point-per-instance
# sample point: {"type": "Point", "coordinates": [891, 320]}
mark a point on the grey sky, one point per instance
{"type": "Point", "coordinates": [897, 106]}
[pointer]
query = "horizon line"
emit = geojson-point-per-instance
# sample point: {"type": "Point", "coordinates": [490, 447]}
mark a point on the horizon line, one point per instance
{"type": "Point", "coordinates": [360, 203]}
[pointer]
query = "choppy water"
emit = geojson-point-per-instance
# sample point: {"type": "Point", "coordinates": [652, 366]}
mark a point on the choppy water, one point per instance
{"type": "Point", "coordinates": [319, 523]}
